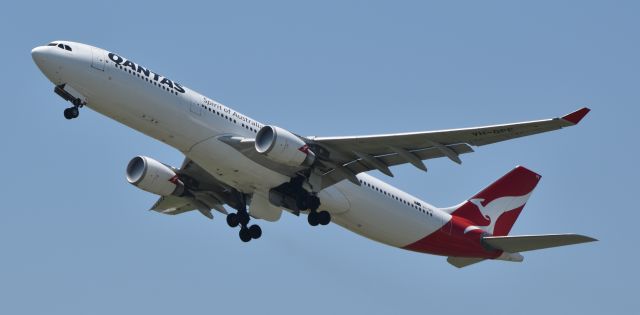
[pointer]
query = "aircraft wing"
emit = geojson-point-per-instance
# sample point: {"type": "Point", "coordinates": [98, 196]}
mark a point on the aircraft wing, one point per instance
{"type": "Point", "coordinates": [340, 158]}
{"type": "Point", "coordinates": [348, 156]}
{"type": "Point", "coordinates": [176, 205]}
{"type": "Point", "coordinates": [208, 193]}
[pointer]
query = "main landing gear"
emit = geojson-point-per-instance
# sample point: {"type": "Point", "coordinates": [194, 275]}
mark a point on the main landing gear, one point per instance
{"type": "Point", "coordinates": [242, 218]}
{"type": "Point", "coordinates": [298, 199]}
{"type": "Point", "coordinates": [312, 203]}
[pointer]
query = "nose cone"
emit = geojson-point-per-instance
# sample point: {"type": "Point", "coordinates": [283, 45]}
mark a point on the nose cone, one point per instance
{"type": "Point", "coordinates": [39, 53]}
{"type": "Point", "coordinates": [49, 62]}
{"type": "Point", "coordinates": [40, 56]}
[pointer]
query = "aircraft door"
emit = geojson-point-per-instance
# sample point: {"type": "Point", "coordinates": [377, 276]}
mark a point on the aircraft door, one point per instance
{"type": "Point", "coordinates": [195, 108]}
{"type": "Point", "coordinates": [98, 60]}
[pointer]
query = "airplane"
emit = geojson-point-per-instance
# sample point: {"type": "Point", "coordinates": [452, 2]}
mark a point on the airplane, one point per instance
{"type": "Point", "coordinates": [260, 170]}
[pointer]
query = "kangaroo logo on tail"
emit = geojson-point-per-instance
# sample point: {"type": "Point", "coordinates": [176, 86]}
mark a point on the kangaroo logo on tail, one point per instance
{"type": "Point", "coordinates": [496, 208]}
{"type": "Point", "coordinates": [492, 211]}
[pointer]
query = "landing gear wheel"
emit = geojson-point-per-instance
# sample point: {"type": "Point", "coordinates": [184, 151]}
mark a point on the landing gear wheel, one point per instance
{"type": "Point", "coordinates": [313, 218]}
{"type": "Point", "coordinates": [74, 112]}
{"type": "Point", "coordinates": [255, 231]}
{"type": "Point", "coordinates": [71, 113]}
{"type": "Point", "coordinates": [244, 218]}
{"type": "Point", "coordinates": [233, 220]}
{"type": "Point", "coordinates": [324, 217]}
{"type": "Point", "coordinates": [245, 234]}
{"type": "Point", "coordinates": [301, 203]}
{"type": "Point", "coordinates": [313, 202]}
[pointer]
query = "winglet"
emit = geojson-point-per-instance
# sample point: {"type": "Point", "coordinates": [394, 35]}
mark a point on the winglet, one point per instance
{"type": "Point", "coordinates": [577, 116]}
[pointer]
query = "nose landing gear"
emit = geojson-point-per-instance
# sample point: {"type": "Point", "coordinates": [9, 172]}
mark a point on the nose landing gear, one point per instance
{"type": "Point", "coordinates": [74, 111]}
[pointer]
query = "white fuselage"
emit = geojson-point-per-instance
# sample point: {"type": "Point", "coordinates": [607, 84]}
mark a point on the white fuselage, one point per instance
{"type": "Point", "coordinates": [191, 123]}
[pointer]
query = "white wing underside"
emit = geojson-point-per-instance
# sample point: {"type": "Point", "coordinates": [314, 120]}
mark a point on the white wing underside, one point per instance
{"type": "Point", "coordinates": [177, 205]}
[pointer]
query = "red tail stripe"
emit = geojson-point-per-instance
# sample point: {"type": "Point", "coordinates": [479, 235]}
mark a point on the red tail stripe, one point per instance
{"type": "Point", "coordinates": [518, 182]}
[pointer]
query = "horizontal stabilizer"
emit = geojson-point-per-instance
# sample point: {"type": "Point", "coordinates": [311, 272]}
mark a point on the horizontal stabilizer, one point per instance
{"type": "Point", "coordinates": [462, 262]}
{"type": "Point", "coordinates": [523, 243]}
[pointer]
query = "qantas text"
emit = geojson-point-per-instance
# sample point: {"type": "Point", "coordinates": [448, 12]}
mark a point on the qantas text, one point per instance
{"type": "Point", "coordinates": [146, 72]}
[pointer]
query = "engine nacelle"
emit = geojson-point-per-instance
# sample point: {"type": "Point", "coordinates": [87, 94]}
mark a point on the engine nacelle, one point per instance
{"type": "Point", "coordinates": [154, 177]}
{"type": "Point", "coordinates": [282, 146]}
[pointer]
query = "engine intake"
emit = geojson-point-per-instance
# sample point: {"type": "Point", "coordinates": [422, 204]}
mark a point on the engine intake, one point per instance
{"type": "Point", "coordinates": [282, 146]}
{"type": "Point", "coordinates": [154, 177]}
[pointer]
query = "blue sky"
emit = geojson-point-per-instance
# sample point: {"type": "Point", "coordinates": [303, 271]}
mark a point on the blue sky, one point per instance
{"type": "Point", "coordinates": [75, 238]}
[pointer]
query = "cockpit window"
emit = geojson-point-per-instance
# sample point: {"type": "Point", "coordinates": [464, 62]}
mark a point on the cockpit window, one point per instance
{"type": "Point", "coordinates": [61, 46]}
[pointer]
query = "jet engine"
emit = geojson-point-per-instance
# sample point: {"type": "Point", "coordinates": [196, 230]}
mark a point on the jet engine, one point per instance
{"type": "Point", "coordinates": [282, 146]}
{"type": "Point", "coordinates": [154, 177]}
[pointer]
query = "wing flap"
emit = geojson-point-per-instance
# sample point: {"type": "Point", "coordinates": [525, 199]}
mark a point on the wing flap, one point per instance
{"type": "Point", "coordinates": [360, 165]}
{"type": "Point", "coordinates": [172, 205]}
